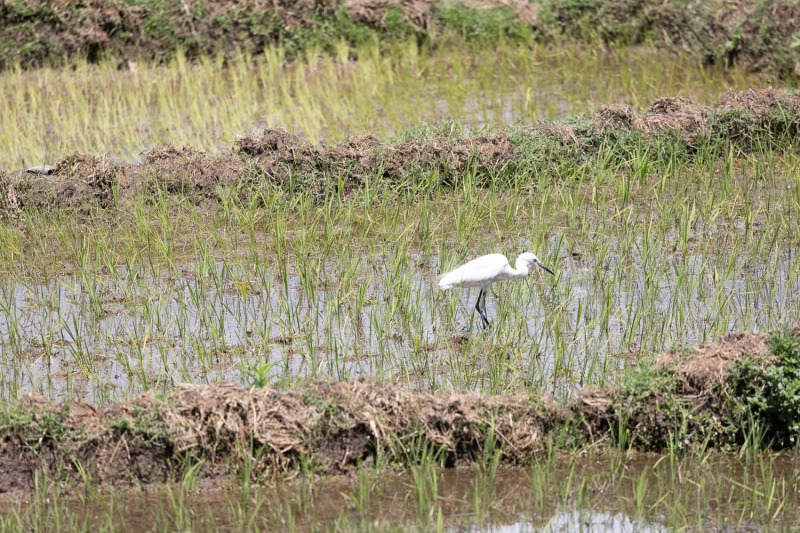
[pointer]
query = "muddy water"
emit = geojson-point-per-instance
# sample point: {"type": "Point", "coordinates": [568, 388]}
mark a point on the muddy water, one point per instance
{"type": "Point", "coordinates": [109, 337]}
{"type": "Point", "coordinates": [611, 492]}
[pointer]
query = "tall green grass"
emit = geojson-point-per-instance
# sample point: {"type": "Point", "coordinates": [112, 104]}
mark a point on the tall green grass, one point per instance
{"type": "Point", "coordinates": [207, 103]}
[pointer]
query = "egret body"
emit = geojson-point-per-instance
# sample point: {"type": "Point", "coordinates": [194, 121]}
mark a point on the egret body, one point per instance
{"type": "Point", "coordinates": [488, 269]}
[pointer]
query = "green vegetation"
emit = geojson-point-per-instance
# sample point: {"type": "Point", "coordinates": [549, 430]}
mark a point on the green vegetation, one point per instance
{"type": "Point", "coordinates": [297, 268]}
{"type": "Point", "coordinates": [758, 34]}
{"type": "Point", "coordinates": [769, 392]}
{"type": "Point", "coordinates": [33, 427]}
{"type": "Point", "coordinates": [101, 109]}
{"type": "Point", "coordinates": [318, 265]}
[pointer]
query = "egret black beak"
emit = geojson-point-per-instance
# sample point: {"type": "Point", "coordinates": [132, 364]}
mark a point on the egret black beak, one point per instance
{"type": "Point", "coordinates": [545, 268]}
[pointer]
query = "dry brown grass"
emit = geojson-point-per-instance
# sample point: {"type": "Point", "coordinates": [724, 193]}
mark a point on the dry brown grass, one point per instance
{"type": "Point", "coordinates": [337, 426]}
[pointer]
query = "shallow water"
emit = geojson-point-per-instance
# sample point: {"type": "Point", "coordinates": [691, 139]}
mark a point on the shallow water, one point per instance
{"type": "Point", "coordinates": [613, 491]}
{"type": "Point", "coordinates": [112, 336]}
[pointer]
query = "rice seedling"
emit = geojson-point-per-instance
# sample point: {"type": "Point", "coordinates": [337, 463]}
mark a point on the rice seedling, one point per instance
{"type": "Point", "coordinates": [698, 490]}
{"type": "Point", "coordinates": [101, 109]}
{"type": "Point", "coordinates": [348, 288]}
{"type": "Point", "coordinates": [652, 249]}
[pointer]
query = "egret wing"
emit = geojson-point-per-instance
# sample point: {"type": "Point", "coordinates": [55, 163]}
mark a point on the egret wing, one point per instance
{"type": "Point", "coordinates": [476, 273]}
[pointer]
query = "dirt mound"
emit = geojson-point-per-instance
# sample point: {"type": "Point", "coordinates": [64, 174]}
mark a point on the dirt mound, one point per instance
{"type": "Point", "coordinates": [344, 423]}
{"type": "Point", "coordinates": [186, 171]}
{"type": "Point", "coordinates": [760, 101]}
{"type": "Point", "coordinates": [564, 134]}
{"type": "Point", "coordinates": [280, 154]}
{"type": "Point", "coordinates": [748, 118]}
{"type": "Point", "coordinates": [708, 365]}
{"type": "Point", "coordinates": [676, 114]}
{"type": "Point", "coordinates": [82, 179]}
{"type": "Point", "coordinates": [336, 425]}
{"type": "Point", "coordinates": [682, 399]}
{"type": "Point", "coordinates": [756, 107]}
{"type": "Point", "coordinates": [271, 141]}
{"type": "Point", "coordinates": [10, 207]}
{"type": "Point", "coordinates": [418, 12]}
{"type": "Point", "coordinates": [755, 119]}
{"type": "Point", "coordinates": [273, 147]}
{"type": "Point", "coordinates": [453, 155]}
{"type": "Point", "coordinates": [616, 117]}
{"type": "Point", "coordinates": [686, 396]}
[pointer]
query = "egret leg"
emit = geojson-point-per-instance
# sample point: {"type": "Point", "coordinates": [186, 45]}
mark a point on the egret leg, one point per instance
{"type": "Point", "coordinates": [481, 310]}
{"type": "Point", "coordinates": [483, 307]}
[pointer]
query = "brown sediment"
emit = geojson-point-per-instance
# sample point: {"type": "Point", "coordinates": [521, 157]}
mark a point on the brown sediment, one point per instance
{"type": "Point", "coordinates": [10, 207]}
{"type": "Point", "coordinates": [759, 102]}
{"type": "Point", "coordinates": [275, 158]}
{"type": "Point", "coordinates": [418, 12]}
{"type": "Point", "coordinates": [564, 133]}
{"type": "Point", "coordinates": [337, 426]}
{"type": "Point", "coordinates": [616, 117]}
{"type": "Point", "coordinates": [677, 114]}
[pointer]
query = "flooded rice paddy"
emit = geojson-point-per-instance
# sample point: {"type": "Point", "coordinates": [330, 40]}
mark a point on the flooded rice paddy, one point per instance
{"type": "Point", "coordinates": [105, 110]}
{"type": "Point", "coordinates": [344, 292]}
{"type": "Point", "coordinates": [105, 306]}
{"type": "Point", "coordinates": [116, 335]}
{"type": "Point", "coordinates": [613, 492]}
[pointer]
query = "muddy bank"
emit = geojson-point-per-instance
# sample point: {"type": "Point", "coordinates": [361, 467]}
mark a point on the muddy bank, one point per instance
{"type": "Point", "coordinates": [701, 398]}
{"type": "Point", "coordinates": [671, 130]}
{"type": "Point", "coordinates": [333, 426]}
{"type": "Point", "coordinates": [757, 34]}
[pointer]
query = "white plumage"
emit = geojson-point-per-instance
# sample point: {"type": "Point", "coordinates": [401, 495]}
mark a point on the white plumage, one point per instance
{"type": "Point", "coordinates": [488, 269]}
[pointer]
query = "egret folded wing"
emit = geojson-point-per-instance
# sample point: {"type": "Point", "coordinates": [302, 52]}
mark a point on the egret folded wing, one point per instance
{"type": "Point", "coordinates": [479, 272]}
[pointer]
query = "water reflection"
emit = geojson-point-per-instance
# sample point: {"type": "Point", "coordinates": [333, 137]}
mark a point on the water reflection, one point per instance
{"type": "Point", "coordinates": [108, 337]}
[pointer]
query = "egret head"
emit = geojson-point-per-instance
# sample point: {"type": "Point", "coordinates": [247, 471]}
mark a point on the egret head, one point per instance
{"type": "Point", "coordinates": [529, 260]}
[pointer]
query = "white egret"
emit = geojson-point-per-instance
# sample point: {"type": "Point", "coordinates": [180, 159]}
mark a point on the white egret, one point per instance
{"type": "Point", "coordinates": [487, 269]}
